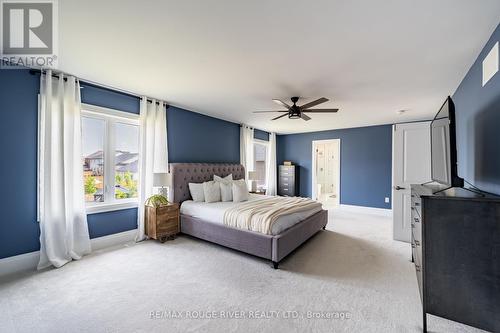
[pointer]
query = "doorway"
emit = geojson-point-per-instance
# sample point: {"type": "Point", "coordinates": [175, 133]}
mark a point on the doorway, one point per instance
{"type": "Point", "coordinates": [326, 172]}
{"type": "Point", "coordinates": [411, 164]}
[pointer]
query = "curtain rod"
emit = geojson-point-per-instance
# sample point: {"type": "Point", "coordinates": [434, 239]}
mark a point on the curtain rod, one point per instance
{"type": "Point", "coordinates": [98, 85]}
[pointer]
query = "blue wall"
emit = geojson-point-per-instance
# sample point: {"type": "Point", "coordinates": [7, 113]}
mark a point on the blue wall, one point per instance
{"type": "Point", "coordinates": [193, 137]}
{"type": "Point", "coordinates": [365, 162]}
{"type": "Point", "coordinates": [19, 231]}
{"type": "Point", "coordinates": [478, 125]}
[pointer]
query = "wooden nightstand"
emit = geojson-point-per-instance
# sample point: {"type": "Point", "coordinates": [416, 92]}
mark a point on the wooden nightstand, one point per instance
{"type": "Point", "coordinates": [162, 222]}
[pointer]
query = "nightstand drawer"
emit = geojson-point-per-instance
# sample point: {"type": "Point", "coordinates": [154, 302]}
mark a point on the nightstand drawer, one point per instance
{"type": "Point", "coordinates": [170, 228]}
{"type": "Point", "coordinates": [172, 209]}
{"type": "Point", "coordinates": [166, 221]}
{"type": "Point", "coordinates": [166, 215]}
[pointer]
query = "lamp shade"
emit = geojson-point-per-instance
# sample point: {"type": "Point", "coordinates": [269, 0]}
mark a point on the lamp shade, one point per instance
{"type": "Point", "coordinates": [253, 175]}
{"type": "Point", "coordinates": [162, 179]}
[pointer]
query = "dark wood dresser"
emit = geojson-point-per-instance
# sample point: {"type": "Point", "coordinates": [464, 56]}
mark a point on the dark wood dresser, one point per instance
{"type": "Point", "coordinates": [456, 251]}
{"type": "Point", "coordinates": [288, 184]}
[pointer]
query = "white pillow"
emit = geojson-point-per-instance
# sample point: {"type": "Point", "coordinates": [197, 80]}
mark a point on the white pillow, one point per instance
{"type": "Point", "coordinates": [240, 190]}
{"type": "Point", "coordinates": [226, 179]}
{"type": "Point", "coordinates": [211, 190]}
{"type": "Point", "coordinates": [196, 191]}
{"type": "Point", "coordinates": [226, 191]}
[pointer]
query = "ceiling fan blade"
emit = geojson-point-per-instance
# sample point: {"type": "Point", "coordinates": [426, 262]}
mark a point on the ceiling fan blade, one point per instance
{"type": "Point", "coordinates": [268, 111]}
{"type": "Point", "coordinates": [277, 101]}
{"type": "Point", "coordinates": [278, 117]}
{"type": "Point", "coordinates": [305, 116]}
{"type": "Point", "coordinates": [322, 110]}
{"type": "Point", "coordinates": [314, 103]}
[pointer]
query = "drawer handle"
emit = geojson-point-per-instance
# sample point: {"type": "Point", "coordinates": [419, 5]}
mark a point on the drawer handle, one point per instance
{"type": "Point", "coordinates": [417, 268]}
{"type": "Point", "coordinates": [417, 204]}
{"type": "Point", "coordinates": [412, 246]}
{"type": "Point", "coordinates": [416, 219]}
{"type": "Point", "coordinates": [417, 243]}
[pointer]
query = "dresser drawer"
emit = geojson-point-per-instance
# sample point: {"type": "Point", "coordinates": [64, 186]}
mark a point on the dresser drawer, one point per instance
{"type": "Point", "coordinates": [286, 191]}
{"type": "Point", "coordinates": [416, 248]}
{"type": "Point", "coordinates": [287, 181]}
{"type": "Point", "coordinates": [418, 272]}
{"type": "Point", "coordinates": [416, 204]}
{"type": "Point", "coordinates": [287, 174]}
{"type": "Point", "coordinates": [416, 229]}
{"type": "Point", "coordinates": [286, 170]}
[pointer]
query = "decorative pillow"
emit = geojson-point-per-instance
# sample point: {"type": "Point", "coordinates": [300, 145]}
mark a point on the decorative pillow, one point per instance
{"type": "Point", "coordinates": [226, 191]}
{"type": "Point", "coordinates": [196, 191]}
{"type": "Point", "coordinates": [240, 190]}
{"type": "Point", "coordinates": [211, 190]}
{"type": "Point", "coordinates": [226, 179]}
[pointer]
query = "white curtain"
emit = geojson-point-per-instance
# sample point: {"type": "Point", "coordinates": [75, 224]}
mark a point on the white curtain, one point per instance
{"type": "Point", "coordinates": [271, 165]}
{"type": "Point", "coordinates": [64, 231]}
{"type": "Point", "coordinates": [153, 152]}
{"type": "Point", "coordinates": [246, 148]}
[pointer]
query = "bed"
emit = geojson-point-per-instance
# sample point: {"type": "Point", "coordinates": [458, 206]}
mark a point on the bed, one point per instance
{"type": "Point", "coordinates": [204, 220]}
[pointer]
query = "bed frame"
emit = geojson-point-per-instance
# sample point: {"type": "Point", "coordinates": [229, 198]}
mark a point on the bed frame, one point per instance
{"type": "Point", "coordinates": [271, 247]}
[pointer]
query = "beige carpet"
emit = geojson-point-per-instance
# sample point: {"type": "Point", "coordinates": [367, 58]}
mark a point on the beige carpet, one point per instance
{"type": "Point", "coordinates": [353, 275]}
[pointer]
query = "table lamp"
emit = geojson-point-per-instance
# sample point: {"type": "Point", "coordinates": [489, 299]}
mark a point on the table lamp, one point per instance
{"type": "Point", "coordinates": [162, 180]}
{"type": "Point", "coordinates": [253, 176]}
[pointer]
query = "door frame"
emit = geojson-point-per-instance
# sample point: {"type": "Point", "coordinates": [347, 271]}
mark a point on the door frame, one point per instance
{"type": "Point", "coordinates": [313, 173]}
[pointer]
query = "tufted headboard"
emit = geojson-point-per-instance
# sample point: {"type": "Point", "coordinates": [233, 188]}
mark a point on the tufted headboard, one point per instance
{"type": "Point", "coordinates": [185, 173]}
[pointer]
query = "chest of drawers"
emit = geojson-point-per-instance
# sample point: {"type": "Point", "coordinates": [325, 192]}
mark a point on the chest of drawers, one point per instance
{"type": "Point", "coordinates": [288, 180]}
{"type": "Point", "coordinates": [455, 240]}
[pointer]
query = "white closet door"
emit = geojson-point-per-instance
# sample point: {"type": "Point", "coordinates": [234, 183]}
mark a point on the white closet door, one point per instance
{"type": "Point", "coordinates": [411, 164]}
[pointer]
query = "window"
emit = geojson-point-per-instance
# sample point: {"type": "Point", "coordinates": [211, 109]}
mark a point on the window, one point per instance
{"type": "Point", "coordinates": [260, 163]}
{"type": "Point", "coordinates": [110, 148]}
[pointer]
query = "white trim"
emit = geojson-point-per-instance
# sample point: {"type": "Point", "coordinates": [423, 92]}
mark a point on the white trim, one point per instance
{"type": "Point", "coordinates": [113, 240]}
{"type": "Point", "coordinates": [29, 261]}
{"type": "Point", "coordinates": [111, 117]}
{"type": "Point", "coordinates": [261, 142]}
{"type": "Point", "coordinates": [22, 262]}
{"type": "Point", "coordinates": [109, 207]}
{"type": "Point", "coordinates": [102, 111]}
{"type": "Point", "coordinates": [366, 210]}
{"type": "Point", "coordinates": [313, 160]}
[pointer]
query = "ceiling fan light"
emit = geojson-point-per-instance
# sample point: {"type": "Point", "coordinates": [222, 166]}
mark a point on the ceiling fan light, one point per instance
{"type": "Point", "coordinates": [294, 116]}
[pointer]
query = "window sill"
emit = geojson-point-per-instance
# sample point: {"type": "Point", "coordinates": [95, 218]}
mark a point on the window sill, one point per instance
{"type": "Point", "coordinates": [102, 208]}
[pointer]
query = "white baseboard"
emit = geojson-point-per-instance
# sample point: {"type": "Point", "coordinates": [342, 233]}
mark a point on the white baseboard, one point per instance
{"type": "Point", "coordinates": [29, 261]}
{"type": "Point", "coordinates": [19, 263]}
{"type": "Point", "coordinates": [367, 210]}
{"type": "Point", "coordinates": [113, 240]}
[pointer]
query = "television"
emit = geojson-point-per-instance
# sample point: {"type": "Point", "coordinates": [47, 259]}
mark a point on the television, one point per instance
{"type": "Point", "coordinates": [444, 168]}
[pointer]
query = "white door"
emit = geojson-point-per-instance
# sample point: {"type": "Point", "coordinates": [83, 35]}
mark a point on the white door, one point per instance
{"type": "Point", "coordinates": [411, 164]}
{"type": "Point", "coordinates": [326, 171]}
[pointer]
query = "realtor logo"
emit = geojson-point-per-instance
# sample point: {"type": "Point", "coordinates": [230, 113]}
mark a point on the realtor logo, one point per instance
{"type": "Point", "coordinates": [28, 33]}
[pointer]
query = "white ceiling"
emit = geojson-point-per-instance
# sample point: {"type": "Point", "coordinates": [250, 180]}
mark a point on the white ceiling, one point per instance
{"type": "Point", "coordinates": [227, 58]}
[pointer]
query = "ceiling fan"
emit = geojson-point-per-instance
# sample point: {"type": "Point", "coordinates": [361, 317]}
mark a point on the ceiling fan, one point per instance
{"type": "Point", "coordinates": [296, 112]}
